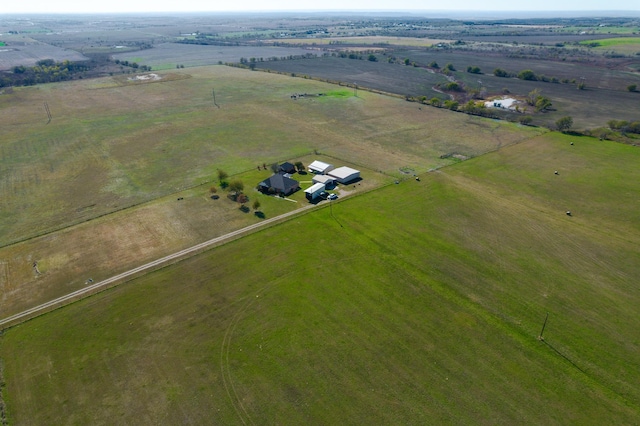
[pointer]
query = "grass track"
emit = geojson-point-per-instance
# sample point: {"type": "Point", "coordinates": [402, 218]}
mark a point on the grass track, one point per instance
{"type": "Point", "coordinates": [417, 303]}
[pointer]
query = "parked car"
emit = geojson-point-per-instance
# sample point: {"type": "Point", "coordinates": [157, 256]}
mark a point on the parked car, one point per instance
{"type": "Point", "coordinates": [332, 196]}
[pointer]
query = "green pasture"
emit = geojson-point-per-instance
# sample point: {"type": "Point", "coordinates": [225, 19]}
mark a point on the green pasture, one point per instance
{"type": "Point", "coordinates": [420, 302]}
{"type": "Point", "coordinates": [111, 145]}
{"type": "Point", "coordinates": [626, 45]}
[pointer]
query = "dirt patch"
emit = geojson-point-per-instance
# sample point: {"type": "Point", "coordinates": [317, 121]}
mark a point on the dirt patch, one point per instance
{"type": "Point", "coordinates": [145, 77]}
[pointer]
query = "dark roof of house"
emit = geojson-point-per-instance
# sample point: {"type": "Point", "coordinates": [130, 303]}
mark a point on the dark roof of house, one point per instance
{"type": "Point", "coordinates": [280, 183]}
{"type": "Point", "coordinates": [287, 167]}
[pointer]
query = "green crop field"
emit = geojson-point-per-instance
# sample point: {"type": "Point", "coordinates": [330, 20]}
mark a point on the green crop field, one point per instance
{"type": "Point", "coordinates": [625, 45]}
{"type": "Point", "coordinates": [420, 302]}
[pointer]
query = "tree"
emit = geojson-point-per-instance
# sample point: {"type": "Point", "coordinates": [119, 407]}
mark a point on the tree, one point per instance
{"type": "Point", "coordinates": [527, 75]}
{"type": "Point", "coordinates": [532, 96]}
{"type": "Point", "coordinates": [473, 70]}
{"type": "Point", "coordinates": [213, 190]}
{"type": "Point", "coordinates": [499, 72]}
{"type": "Point", "coordinates": [299, 166]}
{"type": "Point", "coordinates": [275, 167]}
{"type": "Point", "coordinates": [564, 123]}
{"type": "Point", "coordinates": [407, 61]}
{"type": "Point", "coordinates": [436, 102]}
{"type": "Point", "coordinates": [256, 205]}
{"type": "Point", "coordinates": [449, 67]}
{"type": "Point", "coordinates": [236, 186]}
{"type": "Point", "coordinates": [526, 120]}
{"type": "Point", "coordinates": [452, 105]}
{"type": "Point", "coordinates": [543, 103]}
{"type": "Point", "coordinates": [632, 88]}
{"type": "Point", "coordinates": [434, 65]}
{"type": "Point", "coordinates": [222, 175]}
{"type": "Point", "coordinates": [372, 58]}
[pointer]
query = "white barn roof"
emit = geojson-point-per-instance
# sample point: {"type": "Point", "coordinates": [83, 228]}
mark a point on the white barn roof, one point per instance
{"type": "Point", "coordinates": [319, 166]}
{"type": "Point", "coordinates": [322, 179]}
{"type": "Point", "coordinates": [314, 188]}
{"type": "Point", "coordinates": [344, 174]}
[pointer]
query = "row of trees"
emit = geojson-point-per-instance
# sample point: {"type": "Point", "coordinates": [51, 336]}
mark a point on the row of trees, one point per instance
{"type": "Point", "coordinates": [624, 126]}
{"type": "Point", "coordinates": [45, 71]}
{"type": "Point", "coordinates": [133, 65]}
{"type": "Point", "coordinates": [530, 75]}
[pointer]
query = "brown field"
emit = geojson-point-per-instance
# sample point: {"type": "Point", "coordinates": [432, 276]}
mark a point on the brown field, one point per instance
{"type": "Point", "coordinates": [22, 50]}
{"type": "Point", "coordinates": [336, 42]}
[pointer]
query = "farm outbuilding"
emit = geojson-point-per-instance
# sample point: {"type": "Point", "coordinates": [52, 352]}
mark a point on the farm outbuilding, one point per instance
{"type": "Point", "coordinates": [344, 174]}
{"type": "Point", "coordinates": [287, 167]}
{"type": "Point", "coordinates": [279, 184]}
{"type": "Point", "coordinates": [320, 167]}
{"type": "Point", "coordinates": [314, 191]}
{"type": "Point", "coordinates": [327, 180]}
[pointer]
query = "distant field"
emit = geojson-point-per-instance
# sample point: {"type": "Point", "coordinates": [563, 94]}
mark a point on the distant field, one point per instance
{"type": "Point", "coordinates": [390, 78]}
{"type": "Point", "coordinates": [417, 303]}
{"type": "Point", "coordinates": [608, 87]}
{"type": "Point", "coordinates": [626, 45]}
{"type": "Point", "coordinates": [394, 41]}
{"type": "Point", "coordinates": [27, 52]}
{"type": "Point", "coordinates": [168, 55]}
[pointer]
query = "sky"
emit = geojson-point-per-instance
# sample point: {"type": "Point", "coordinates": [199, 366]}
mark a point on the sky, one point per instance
{"type": "Point", "coordinates": [151, 6]}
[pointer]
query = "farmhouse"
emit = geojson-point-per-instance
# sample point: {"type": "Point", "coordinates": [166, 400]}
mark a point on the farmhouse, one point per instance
{"type": "Point", "coordinates": [328, 181]}
{"type": "Point", "coordinates": [314, 191]}
{"type": "Point", "coordinates": [279, 184]}
{"type": "Point", "coordinates": [344, 174]}
{"type": "Point", "coordinates": [320, 167]}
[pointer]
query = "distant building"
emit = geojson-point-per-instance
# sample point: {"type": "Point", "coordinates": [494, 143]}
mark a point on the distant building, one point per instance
{"type": "Point", "coordinates": [345, 174]}
{"type": "Point", "coordinates": [314, 191]}
{"type": "Point", "coordinates": [279, 184]}
{"type": "Point", "coordinates": [319, 167]}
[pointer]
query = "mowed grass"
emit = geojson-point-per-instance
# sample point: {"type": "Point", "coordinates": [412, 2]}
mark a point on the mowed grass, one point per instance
{"type": "Point", "coordinates": [110, 146]}
{"type": "Point", "coordinates": [416, 303]}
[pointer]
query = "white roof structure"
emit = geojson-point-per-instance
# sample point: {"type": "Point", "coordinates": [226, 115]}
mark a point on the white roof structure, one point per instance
{"type": "Point", "coordinates": [320, 167]}
{"type": "Point", "coordinates": [314, 188]}
{"type": "Point", "coordinates": [322, 179]}
{"type": "Point", "coordinates": [344, 174]}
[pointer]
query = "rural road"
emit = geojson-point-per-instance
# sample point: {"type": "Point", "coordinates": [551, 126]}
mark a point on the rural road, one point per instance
{"type": "Point", "coordinates": [110, 282]}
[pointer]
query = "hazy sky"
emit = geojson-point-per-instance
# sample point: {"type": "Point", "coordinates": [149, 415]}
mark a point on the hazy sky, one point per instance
{"type": "Point", "coordinates": [124, 6]}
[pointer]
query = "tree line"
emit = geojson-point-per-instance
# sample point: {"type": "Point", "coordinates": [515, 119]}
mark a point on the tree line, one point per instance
{"type": "Point", "coordinates": [45, 71]}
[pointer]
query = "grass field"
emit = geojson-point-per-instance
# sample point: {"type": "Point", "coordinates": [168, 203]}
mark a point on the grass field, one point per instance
{"type": "Point", "coordinates": [110, 146]}
{"type": "Point", "coordinates": [625, 45]}
{"type": "Point", "coordinates": [416, 303]}
{"type": "Point", "coordinates": [168, 55]}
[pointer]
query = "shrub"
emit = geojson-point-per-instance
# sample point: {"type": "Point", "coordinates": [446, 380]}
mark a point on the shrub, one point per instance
{"type": "Point", "coordinates": [527, 75]}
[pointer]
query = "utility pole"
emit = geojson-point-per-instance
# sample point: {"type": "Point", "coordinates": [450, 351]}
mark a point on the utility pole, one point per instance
{"type": "Point", "coordinates": [540, 337]}
{"type": "Point", "coordinates": [355, 89]}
